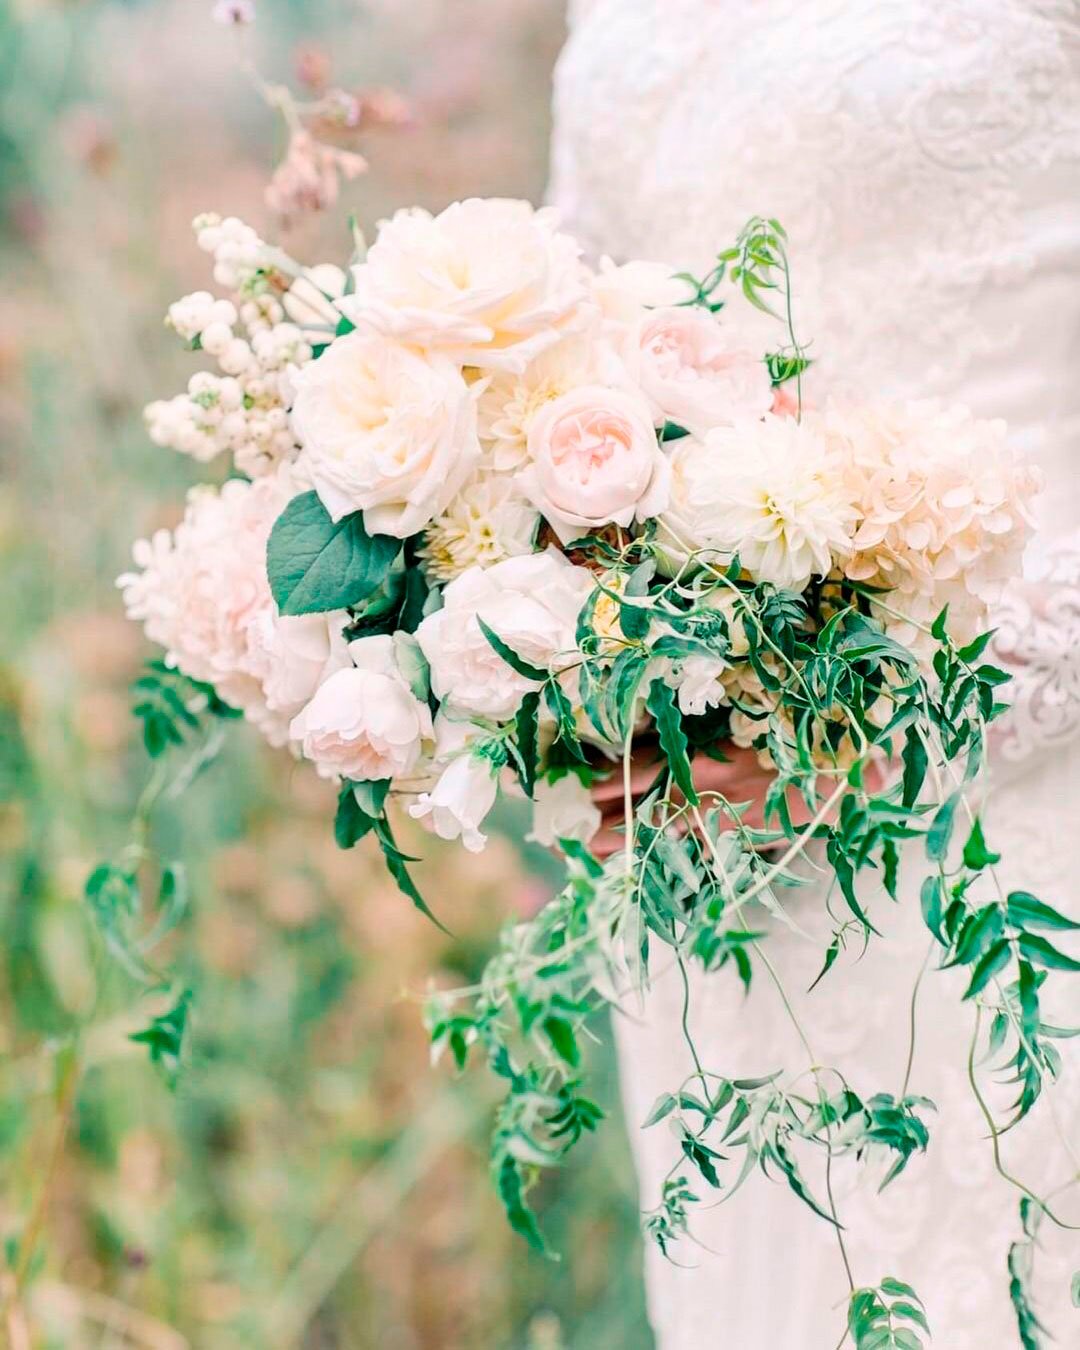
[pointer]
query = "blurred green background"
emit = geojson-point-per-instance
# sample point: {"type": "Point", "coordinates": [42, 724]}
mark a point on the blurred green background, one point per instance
{"type": "Point", "coordinates": [311, 1182]}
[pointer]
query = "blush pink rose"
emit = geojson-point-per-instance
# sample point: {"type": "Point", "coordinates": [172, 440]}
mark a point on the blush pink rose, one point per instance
{"type": "Point", "coordinates": [595, 461]}
{"type": "Point", "coordinates": [694, 371]}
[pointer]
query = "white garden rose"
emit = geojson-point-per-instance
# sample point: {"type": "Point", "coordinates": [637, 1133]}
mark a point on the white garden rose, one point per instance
{"type": "Point", "coordinates": [563, 810]}
{"type": "Point", "coordinates": [769, 491]}
{"type": "Point", "coordinates": [491, 283]}
{"type": "Point", "coordinates": [386, 431]}
{"type": "Point", "coordinates": [595, 461]}
{"type": "Point", "coordinates": [694, 371]}
{"type": "Point", "coordinates": [531, 603]}
{"type": "Point", "coordinates": [467, 787]}
{"type": "Point", "coordinates": [624, 292]}
{"type": "Point", "coordinates": [364, 723]}
{"type": "Point", "coordinates": [300, 652]}
{"type": "Point", "coordinates": [202, 592]}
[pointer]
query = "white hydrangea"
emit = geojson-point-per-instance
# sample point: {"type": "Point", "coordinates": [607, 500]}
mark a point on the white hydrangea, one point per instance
{"type": "Point", "coordinates": [944, 504]}
{"type": "Point", "coordinates": [488, 521]}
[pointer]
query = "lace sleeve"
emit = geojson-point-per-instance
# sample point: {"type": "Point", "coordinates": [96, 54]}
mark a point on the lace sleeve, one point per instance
{"type": "Point", "coordinates": [1038, 641]}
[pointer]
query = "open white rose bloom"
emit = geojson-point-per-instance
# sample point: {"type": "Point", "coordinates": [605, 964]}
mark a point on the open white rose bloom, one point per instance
{"type": "Point", "coordinates": [498, 521]}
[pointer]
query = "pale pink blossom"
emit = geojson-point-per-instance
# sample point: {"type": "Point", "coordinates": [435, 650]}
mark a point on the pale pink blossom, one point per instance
{"type": "Point", "coordinates": [694, 370]}
{"type": "Point", "coordinates": [594, 461]}
{"type": "Point", "coordinates": [491, 283]}
{"type": "Point", "coordinates": [364, 723]}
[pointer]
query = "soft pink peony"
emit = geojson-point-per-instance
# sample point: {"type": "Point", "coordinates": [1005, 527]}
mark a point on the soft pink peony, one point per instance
{"type": "Point", "coordinates": [694, 371]}
{"type": "Point", "coordinates": [595, 461]}
{"type": "Point", "coordinates": [491, 283]}
{"type": "Point", "coordinates": [202, 593]}
{"type": "Point", "coordinates": [364, 723]}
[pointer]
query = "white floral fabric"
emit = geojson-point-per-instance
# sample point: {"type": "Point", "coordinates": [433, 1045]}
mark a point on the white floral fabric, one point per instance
{"type": "Point", "coordinates": [924, 157]}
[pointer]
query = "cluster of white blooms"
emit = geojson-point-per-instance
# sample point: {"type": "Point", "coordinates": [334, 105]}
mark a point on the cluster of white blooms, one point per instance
{"type": "Point", "coordinates": [570, 374]}
{"type": "Point", "coordinates": [480, 393]}
{"type": "Point", "coordinates": [241, 260]}
{"type": "Point", "coordinates": [202, 593]}
{"type": "Point", "coordinates": [244, 410]}
{"type": "Point", "coordinates": [943, 502]}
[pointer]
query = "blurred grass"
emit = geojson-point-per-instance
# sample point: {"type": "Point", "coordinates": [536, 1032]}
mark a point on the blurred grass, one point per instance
{"type": "Point", "coordinates": [311, 1182]}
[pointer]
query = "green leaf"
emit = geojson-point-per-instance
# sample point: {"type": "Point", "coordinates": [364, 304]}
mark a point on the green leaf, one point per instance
{"type": "Point", "coordinates": [164, 1038]}
{"type": "Point", "coordinates": [634, 620]}
{"type": "Point", "coordinates": [930, 900]}
{"type": "Point", "coordinates": [915, 762]}
{"type": "Point", "coordinates": [316, 564]}
{"type": "Point", "coordinates": [976, 647]}
{"type": "Point", "coordinates": [526, 738]}
{"type": "Point", "coordinates": [940, 833]}
{"type": "Point", "coordinates": [511, 1187]}
{"type": "Point", "coordinates": [661, 704]}
{"type": "Point", "coordinates": [979, 931]}
{"type": "Point", "coordinates": [1042, 953]}
{"type": "Point", "coordinates": [510, 656]}
{"type": "Point", "coordinates": [395, 862]}
{"type": "Point", "coordinates": [1026, 911]}
{"type": "Point", "coordinates": [566, 729]}
{"type": "Point", "coordinates": [976, 854]}
{"type": "Point", "coordinates": [1075, 1290]}
{"type": "Point", "coordinates": [782, 367]}
{"type": "Point", "coordinates": [561, 1035]}
{"type": "Point", "coordinates": [992, 961]}
{"type": "Point", "coordinates": [661, 1108]}
{"type": "Point", "coordinates": [831, 954]}
{"type": "Point", "coordinates": [352, 822]}
{"type": "Point", "coordinates": [413, 665]}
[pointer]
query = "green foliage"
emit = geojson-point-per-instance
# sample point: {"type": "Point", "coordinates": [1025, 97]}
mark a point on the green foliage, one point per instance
{"type": "Point", "coordinates": [1033, 1335]}
{"type": "Point", "coordinates": [889, 1316]}
{"type": "Point", "coordinates": [317, 564]}
{"type": "Point", "coordinates": [172, 707]}
{"type": "Point", "coordinates": [165, 1037]}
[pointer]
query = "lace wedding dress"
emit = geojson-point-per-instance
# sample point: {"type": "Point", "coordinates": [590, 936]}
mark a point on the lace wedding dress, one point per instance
{"type": "Point", "coordinates": [924, 157]}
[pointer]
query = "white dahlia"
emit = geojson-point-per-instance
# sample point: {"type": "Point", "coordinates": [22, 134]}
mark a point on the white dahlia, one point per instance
{"type": "Point", "coordinates": [769, 491]}
{"type": "Point", "coordinates": [489, 520]}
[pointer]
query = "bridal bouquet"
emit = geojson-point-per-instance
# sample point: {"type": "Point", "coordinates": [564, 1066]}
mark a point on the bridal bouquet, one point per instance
{"type": "Point", "coordinates": [496, 520]}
